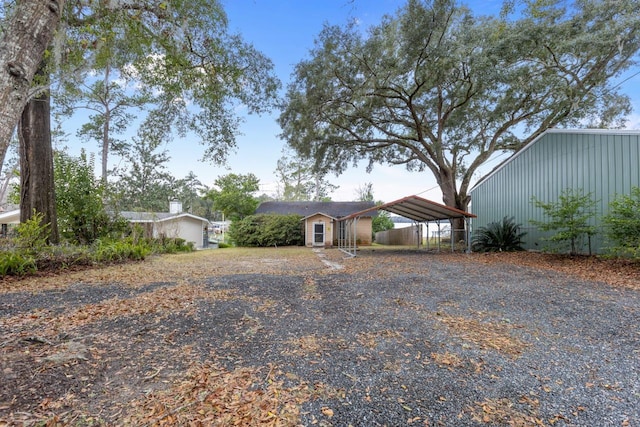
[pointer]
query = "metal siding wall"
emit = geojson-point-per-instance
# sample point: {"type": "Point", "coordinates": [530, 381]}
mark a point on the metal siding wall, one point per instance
{"type": "Point", "coordinates": [598, 163]}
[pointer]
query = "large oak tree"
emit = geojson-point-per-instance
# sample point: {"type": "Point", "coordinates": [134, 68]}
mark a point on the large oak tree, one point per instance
{"type": "Point", "coordinates": [26, 32]}
{"type": "Point", "coordinates": [436, 88]}
{"type": "Point", "coordinates": [199, 72]}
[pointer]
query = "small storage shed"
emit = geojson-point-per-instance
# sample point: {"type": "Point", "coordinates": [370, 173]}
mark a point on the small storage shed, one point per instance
{"type": "Point", "coordinates": [321, 219]}
{"type": "Point", "coordinates": [604, 163]}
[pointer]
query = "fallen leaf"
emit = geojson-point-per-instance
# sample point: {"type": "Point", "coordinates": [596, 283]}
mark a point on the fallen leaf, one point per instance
{"type": "Point", "coordinates": [326, 411]}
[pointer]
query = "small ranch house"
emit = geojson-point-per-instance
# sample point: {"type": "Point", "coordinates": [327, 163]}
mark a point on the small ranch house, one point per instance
{"type": "Point", "coordinates": [172, 224]}
{"type": "Point", "coordinates": [320, 219]}
{"type": "Point", "coordinates": [603, 163]}
{"type": "Point", "coordinates": [11, 217]}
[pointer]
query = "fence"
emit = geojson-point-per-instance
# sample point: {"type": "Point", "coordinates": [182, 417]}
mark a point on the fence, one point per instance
{"type": "Point", "coordinates": [405, 236]}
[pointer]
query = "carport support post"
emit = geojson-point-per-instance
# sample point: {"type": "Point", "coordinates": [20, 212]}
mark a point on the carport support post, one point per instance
{"type": "Point", "coordinates": [453, 233]}
{"type": "Point", "coordinates": [347, 232]}
{"type": "Point", "coordinates": [355, 235]}
{"type": "Point", "coordinates": [428, 238]}
{"type": "Point", "coordinates": [468, 234]}
{"type": "Point", "coordinates": [439, 236]}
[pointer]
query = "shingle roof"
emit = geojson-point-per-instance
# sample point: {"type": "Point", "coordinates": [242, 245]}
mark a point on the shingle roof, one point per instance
{"type": "Point", "coordinates": [333, 209]}
{"type": "Point", "coordinates": [155, 216]}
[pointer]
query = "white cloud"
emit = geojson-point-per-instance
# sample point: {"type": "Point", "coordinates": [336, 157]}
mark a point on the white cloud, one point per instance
{"type": "Point", "coordinates": [633, 121]}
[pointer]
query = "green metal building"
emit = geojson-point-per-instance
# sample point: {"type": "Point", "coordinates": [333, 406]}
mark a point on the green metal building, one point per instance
{"type": "Point", "coordinates": [604, 163]}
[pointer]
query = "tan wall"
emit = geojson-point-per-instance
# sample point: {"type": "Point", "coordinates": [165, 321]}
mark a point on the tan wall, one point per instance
{"type": "Point", "coordinates": [328, 229]}
{"type": "Point", "coordinates": [398, 236]}
{"type": "Point", "coordinates": [363, 231]}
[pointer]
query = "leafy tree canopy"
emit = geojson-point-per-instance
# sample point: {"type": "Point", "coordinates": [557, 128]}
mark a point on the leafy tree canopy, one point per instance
{"type": "Point", "coordinates": [234, 195]}
{"type": "Point", "coordinates": [144, 184]}
{"type": "Point", "coordinates": [181, 52]}
{"type": "Point", "coordinates": [435, 87]}
{"type": "Point", "coordinates": [298, 180]}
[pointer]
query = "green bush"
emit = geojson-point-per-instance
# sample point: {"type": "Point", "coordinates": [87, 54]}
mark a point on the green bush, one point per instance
{"type": "Point", "coordinates": [267, 230]}
{"type": "Point", "coordinates": [16, 263]}
{"type": "Point", "coordinates": [382, 222]}
{"type": "Point", "coordinates": [113, 251]}
{"type": "Point", "coordinates": [82, 217]}
{"type": "Point", "coordinates": [166, 245]}
{"type": "Point", "coordinates": [569, 218]}
{"type": "Point", "coordinates": [502, 236]}
{"type": "Point", "coordinates": [623, 224]}
{"type": "Point", "coordinates": [32, 234]}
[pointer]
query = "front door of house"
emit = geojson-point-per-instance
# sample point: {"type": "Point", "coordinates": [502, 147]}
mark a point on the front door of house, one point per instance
{"type": "Point", "coordinates": [318, 234]}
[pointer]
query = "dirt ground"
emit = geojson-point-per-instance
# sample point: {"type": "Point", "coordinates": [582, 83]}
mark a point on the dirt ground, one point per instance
{"type": "Point", "coordinates": [293, 336]}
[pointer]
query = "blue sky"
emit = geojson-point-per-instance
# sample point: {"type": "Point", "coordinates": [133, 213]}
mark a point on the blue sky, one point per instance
{"type": "Point", "coordinates": [284, 30]}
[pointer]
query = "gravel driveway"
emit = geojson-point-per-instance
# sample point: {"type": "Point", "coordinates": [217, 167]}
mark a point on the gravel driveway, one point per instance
{"type": "Point", "coordinates": [386, 338]}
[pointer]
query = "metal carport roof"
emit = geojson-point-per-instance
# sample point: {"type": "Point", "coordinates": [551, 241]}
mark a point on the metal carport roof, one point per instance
{"type": "Point", "coordinates": [417, 209]}
{"type": "Point", "coordinates": [413, 207]}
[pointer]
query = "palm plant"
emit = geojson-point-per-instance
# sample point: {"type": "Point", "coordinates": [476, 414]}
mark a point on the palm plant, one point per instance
{"type": "Point", "coordinates": [502, 236]}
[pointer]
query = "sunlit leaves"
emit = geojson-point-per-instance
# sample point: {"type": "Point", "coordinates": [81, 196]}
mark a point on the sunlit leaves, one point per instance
{"type": "Point", "coordinates": [179, 50]}
{"type": "Point", "coordinates": [435, 87]}
{"type": "Point", "coordinates": [234, 195]}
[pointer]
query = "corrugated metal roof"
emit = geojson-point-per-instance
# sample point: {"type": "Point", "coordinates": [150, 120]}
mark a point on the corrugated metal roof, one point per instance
{"type": "Point", "coordinates": [417, 209]}
{"type": "Point", "coordinates": [332, 209]}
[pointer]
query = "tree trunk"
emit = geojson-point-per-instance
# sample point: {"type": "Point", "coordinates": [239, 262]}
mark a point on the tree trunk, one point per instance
{"type": "Point", "coordinates": [24, 39]}
{"type": "Point", "coordinates": [452, 199]}
{"type": "Point", "coordinates": [106, 125]}
{"type": "Point", "coordinates": [4, 147]}
{"type": "Point", "coordinates": [36, 164]}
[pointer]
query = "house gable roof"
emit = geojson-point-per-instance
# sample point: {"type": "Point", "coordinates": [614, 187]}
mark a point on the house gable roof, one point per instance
{"type": "Point", "coordinates": [157, 216]}
{"type": "Point", "coordinates": [330, 209]}
{"type": "Point", "coordinates": [10, 217]}
{"type": "Point", "coordinates": [13, 216]}
{"type": "Point", "coordinates": [318, 213]}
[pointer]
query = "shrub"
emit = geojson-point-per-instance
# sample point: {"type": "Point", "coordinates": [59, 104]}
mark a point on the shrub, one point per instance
{"type": "Point", "coordinates": [166, 245]}
{"type": "Point", "coordinates": [382, 222]}
{"type": "Point", "coordinates": [267, 230]}
{"type": "Point", "coordinates": [502, 236]}
{"type": "Point", "coordinates": [32, 234]}
{"type": "Point", "coordinates": [111, 251]}
{"type": "Point", "coordinates": [623, 224]}
{"type": "Point", "coordinates": [16, 263]}
{"type": "Point", "coordinates": [24, 260]}
{"type": "Point", "coordinates": [568, 217]}
{"type": "Point", "coordinates": [82, 217]}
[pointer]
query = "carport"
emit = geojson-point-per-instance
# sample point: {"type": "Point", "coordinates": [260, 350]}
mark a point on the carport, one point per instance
{"type": "Point", "coordinates": [416, 208]}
